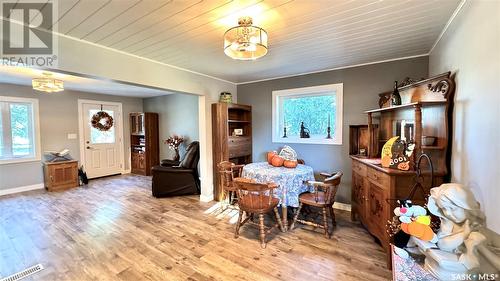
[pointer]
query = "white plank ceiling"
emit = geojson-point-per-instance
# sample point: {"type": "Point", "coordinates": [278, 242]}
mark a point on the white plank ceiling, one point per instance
{"type": "Point", "coordinates": [304, 35]}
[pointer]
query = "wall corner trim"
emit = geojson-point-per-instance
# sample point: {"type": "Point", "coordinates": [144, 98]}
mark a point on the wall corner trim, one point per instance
{"type": "Point", "coordinates": [21, 189]}
{"type": "Point", "coordinates": [447, 25]}
{"type": "Point", "coordinates": [206, 198]}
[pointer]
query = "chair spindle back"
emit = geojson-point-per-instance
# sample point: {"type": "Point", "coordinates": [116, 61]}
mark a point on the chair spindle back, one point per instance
{"type": "Point", "coordinates": [329, 187]}
{"type": "Point", "coordinates": [254, 195]}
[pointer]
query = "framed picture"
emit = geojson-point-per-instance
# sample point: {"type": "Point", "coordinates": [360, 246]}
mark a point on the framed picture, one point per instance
{"type": "Point", "coordinates": [238, 132]}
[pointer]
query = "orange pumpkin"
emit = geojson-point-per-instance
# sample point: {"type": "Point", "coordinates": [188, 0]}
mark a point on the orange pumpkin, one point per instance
{"type": "Point", "coordinates": [290, 163]}
{"type": "Point", "coordinates": [270, 156]}
{"type": "Point", "coordinates": [277, 161]}
{"type": "Point", "coordinates": [405, 166]}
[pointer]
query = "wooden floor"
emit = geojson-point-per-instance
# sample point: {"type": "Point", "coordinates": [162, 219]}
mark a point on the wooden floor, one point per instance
{"type": "Point", "coordinates": [115, 230]}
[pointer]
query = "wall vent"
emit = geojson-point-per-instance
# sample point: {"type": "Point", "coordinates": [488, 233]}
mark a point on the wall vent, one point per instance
{"type": "Point", "coordinates": [23, 274]}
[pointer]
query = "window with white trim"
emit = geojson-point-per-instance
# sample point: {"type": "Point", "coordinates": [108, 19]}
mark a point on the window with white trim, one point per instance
{"type": "Point", "coordinates": [315, 108]}
{"type": "Point", "coordinates": [19, 130]}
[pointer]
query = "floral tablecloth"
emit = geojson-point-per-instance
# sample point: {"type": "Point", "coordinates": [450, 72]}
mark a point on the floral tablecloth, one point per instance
{"type": "Point", "coordinates": [290, 181]}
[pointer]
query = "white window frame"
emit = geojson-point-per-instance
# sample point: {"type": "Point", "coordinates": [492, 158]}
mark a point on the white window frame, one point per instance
{"type": "Point", "coordinates": [36, 131]}
{"type": "Point", "coordinates": [309, 91]}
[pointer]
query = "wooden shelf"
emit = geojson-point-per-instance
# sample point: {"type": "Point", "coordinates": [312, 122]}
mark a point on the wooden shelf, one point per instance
{"type": "Point", "coordinates": [433, 147]}
{"type": "Point", "coordinates": [404, 106]}
{"type": "Point", "coordinates": [238, 121]}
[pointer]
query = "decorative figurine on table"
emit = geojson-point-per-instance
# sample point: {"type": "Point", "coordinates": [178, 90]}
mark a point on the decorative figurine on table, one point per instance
{"type": "Point", "coordinates": [396, 154]}
{"type": "Point", "coordinates": [455, 252]}
{"type": "Point", "coordinates": [287, 157]}
{"type": "Point", "coordinates": [304, 132]}
{"type": "Point", "coordinates": [173, 143]}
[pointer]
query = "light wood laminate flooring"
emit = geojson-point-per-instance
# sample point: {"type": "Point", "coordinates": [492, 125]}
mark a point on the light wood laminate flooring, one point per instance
{"type": "Point", "coordinates": [114, 229]}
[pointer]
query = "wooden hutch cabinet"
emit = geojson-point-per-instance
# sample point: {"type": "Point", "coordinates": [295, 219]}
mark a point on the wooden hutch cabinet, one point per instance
{"type": "Point", "coordinates": [426, 108]}
{"type": "Point", "coordinates": [232, 137]}
{"type": "Point", "coordinates": [144, 142]}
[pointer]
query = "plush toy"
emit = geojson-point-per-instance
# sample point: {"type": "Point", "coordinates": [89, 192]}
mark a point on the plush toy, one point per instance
{"type": "Point", "coordinates": [414, 222]}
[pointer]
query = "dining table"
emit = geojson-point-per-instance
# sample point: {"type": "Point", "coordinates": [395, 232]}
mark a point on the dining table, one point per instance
{"type": "Point", "coordinates": [291, 182]}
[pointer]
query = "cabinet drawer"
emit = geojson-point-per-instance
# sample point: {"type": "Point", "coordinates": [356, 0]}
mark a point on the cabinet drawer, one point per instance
{"type": "Point", "coordinates": [359, 168]}
{"type": "Point", "coordinates": [239, 146]}
{"type": "Point", "coordinates": [379, 178]}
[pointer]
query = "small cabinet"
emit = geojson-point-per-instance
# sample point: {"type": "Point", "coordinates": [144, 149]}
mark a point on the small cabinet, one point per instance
{"type": "Point", "coordinates": [60, 175]}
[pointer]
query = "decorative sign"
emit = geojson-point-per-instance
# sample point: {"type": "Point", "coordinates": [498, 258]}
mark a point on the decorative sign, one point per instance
{"type": "Point", "coordinates": [396, 154]}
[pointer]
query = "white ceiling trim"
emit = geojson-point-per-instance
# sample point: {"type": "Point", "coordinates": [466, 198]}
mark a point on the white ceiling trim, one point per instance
{"type": "Point", "coordinates": [455, 13]}
{"type": "Point", "coordinates": [223, 80]}
{"type": "Point", "coordinates": [143, 58]}
{"type": "Point", "coordinates": [336, 68]}
{"type": "Point", "coordinates": [129, 54]}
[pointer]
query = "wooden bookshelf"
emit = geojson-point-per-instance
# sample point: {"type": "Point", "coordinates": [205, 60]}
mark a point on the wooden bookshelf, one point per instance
{"type": "Point", "coordinates": [226, 117]}
{"type": "Point", "coordinates": [144, 142]}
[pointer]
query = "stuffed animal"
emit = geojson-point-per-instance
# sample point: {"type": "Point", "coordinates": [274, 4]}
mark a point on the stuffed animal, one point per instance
{"type": "Point", "coordinates": [414, 222]}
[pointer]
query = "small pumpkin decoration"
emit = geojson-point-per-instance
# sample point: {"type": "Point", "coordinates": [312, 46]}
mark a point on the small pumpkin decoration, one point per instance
{"type": "Point", "coordinates": [290, 163]}
{"type": "Point", "coordinates": [277, 161]}
{"type": "Point", "coordinates": [270, 156]}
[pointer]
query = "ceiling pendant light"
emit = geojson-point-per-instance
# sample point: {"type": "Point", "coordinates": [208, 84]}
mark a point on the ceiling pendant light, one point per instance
{"type": "Point", "coordinates": [245, 41]}
{"type": "Point", "coordinates": [47, 84]}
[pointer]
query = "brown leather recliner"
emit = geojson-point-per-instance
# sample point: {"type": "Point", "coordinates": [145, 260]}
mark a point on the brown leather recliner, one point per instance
{"type": "Point", "coordinates": [175, 178]}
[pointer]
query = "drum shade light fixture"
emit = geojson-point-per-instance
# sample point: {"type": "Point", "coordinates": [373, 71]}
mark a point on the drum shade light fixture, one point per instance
{"type": "Point", "coordinates": [245, 41]}
{"type": "Point", "coordinates": [47, 84]}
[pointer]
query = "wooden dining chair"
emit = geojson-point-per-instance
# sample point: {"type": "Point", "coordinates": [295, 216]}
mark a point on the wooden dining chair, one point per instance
{"type": "Point", "coordinates": [322, 197]}
{"type": "Point", "coordinates": [256, 199]}
{"type": "Point", "coordinates": [228, 171]}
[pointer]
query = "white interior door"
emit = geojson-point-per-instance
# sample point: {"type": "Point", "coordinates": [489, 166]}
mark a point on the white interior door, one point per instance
{"type": "Point", "coordinates": [102, 150]}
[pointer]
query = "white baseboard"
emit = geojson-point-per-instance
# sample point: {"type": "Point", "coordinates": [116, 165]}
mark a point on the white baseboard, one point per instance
{"type": "Point", "coordinates": [342, 206]}
{"type": "Point", "coordinates": [21, 189]}
{"type": "Point", "coordinates": [205, 198]}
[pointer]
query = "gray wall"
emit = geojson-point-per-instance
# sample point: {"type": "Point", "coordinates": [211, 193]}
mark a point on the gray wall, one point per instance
{"type": "Point", "coordinates": [470, 48]}
{"type": "Point", "coordinates": [361, 88]}
{"type": "Point", "coordinates": [58, 117]}
{"type": "Point", "coordinates": [178, 114]}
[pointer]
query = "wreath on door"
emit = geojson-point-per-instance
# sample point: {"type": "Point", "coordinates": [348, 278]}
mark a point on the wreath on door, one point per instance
{"type": "Point", "coordinates": [102, 121]}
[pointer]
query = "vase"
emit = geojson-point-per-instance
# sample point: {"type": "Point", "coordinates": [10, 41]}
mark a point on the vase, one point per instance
{"type": "Point", "coordinates": [226, 97]}
{"type": "Point", "coordinates": [177, 157]}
